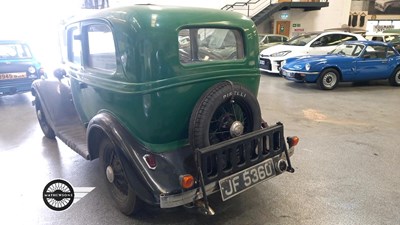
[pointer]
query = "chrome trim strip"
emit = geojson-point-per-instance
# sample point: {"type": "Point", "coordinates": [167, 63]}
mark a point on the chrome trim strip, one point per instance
{"type": "Point", "coordinates": [169, 201]}
{"type": "Point", "coordinates": [292, 71]}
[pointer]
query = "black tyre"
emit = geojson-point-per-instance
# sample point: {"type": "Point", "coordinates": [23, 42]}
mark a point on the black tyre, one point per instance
{"type": "Point", "coordinates": [112, 170]}
{"type": "Point", "coordinates": [395, 78]}
{"type": "Point", "coordinates": [328, 79]}
{"type": "Point", "coordinates": [44, 125]}
{"type": "Point", "coordinates": [224, 111]}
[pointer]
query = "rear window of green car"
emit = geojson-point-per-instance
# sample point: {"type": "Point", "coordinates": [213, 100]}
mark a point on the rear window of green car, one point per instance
{"type": "Point", "coordinates": [209, 44]}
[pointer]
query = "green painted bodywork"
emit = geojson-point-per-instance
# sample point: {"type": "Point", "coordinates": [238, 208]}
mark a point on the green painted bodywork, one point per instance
{"type": "Point", "coordinates": [152, 93]}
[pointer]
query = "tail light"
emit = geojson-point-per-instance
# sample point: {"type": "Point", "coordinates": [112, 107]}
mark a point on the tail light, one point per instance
{"type": "Point", "coordinates": [293, 141]}
{"type": "Point", "coordinates": [187, 181]}
{"type": "Point", "coordinates": [150, 161]}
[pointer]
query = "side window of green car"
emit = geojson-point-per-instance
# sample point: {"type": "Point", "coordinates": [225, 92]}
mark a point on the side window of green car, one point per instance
{"type": "Point", "coordinates": [101, 48]}
{"type": "Point", "coordinates": [75, 46]}
{"type": "Point", "coordinates": [210, 44]}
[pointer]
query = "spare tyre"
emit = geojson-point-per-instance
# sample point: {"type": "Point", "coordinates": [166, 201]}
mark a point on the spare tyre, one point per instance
{"type": "Point", "coordinates": [224, 111]}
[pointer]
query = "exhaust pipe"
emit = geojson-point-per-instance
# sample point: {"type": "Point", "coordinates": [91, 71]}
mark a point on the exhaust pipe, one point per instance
{"type": "Point", "coordinates": [203, 208]}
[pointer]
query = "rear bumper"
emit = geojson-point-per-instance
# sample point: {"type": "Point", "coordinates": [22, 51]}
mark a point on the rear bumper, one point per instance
{"type": "Point", "coordinates": [268, 144]}
{"type": "Point", "coordinates": [187, 197]}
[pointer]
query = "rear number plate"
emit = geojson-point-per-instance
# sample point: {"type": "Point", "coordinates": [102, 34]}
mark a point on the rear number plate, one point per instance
{"type": "Point", "coordinates": [245, 179]}
{"type": "Point", "coordinates": [10, 76]}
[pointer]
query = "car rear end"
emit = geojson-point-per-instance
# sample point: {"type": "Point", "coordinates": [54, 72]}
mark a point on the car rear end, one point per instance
{"type": "Point", "coordinates": [236, 165]}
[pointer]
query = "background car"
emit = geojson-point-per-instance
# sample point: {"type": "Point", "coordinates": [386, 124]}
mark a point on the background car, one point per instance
{"type": "Point", "coordinates": [268, 40]}
{"type": "Point", "coordinates": [317, 43]}
{"type": "Point", "coordinates": [393, 38]}
{"type": "Point", "coordinates": [18, 67]}
{"type": "Point", "coordinates": [350, 61]}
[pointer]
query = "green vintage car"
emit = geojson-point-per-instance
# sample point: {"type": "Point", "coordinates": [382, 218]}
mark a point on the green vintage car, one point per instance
{"type": "Point", "coordinates": [165, 97]}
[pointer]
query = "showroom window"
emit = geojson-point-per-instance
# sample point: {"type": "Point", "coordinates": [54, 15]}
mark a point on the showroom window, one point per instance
{"type": "Point", "coordinates": [101, 48]}
{"type": "Point", "coordinates": [210, 44]}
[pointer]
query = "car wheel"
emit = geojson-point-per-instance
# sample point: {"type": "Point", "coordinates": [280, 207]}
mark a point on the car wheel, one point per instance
{"type": "Point", "coordinates": [44, 125]}
{"type": "Point", "coordinates": [117, 183]}
{"type": "Point", "coordinates": [224, 111]}
{"type": "Point", "coordinates": [395, 78]}
{"type": "Point", "coordinates": [328, 79]}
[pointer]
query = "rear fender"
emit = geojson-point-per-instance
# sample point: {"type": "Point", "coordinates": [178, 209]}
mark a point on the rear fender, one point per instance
{"type": "Point", "coordinates": [105, 125]}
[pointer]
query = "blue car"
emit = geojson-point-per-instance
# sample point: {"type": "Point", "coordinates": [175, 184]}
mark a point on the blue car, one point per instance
{"type": "Point", "coordinates": [351, 61]}
{"type": "Point", "coordinates": [18, 67]}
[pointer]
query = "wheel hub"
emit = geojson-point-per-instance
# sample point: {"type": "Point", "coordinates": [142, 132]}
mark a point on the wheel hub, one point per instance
{"type": "Point", "coordinates": [236, 129]}
{"type": "Point", "coordinates": [329, 80]}
{"type": "Point", "coordinates": [110, 174]}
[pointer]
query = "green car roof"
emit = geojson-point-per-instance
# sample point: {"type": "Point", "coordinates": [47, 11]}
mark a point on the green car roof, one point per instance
{"type": "Point", "coordinates": [158, 17]}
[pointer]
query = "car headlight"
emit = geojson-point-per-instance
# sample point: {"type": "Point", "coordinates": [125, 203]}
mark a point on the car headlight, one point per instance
{"type": "Point", "coordinates": [308, 66]}
{"type": "Point", "coordinates": [280, 54]}
{"type": "Point", "coordinates": [283, 63]}
{"type": "Point", "coordinates": [31, 69]}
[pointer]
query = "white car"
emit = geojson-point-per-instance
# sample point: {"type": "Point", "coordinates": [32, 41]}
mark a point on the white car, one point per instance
{"type": "Point", "coordinates": [318, 43]}
{"type": "Point", "coordinates": [392, 38]}
{"type": "Point", "coordinates": [384, 37]}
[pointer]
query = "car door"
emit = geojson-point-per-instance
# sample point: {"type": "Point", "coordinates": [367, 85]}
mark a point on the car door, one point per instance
{"type": "Point", "coordinates": [92, 61]}
{"type": "Point", "coordinates": [73, 63]}
{"type": "Point", "coordinates": [374, 63]}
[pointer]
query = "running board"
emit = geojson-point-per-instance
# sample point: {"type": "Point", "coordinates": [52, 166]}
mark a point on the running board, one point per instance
{"type": "Point", "coordinates": [74, 136]}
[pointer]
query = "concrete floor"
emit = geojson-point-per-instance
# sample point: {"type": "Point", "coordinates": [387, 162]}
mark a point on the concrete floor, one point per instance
{"type": "Point", "coordinates": [347, 164]}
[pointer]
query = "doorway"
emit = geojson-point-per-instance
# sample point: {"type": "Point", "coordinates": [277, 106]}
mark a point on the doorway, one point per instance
{"type": "Point", "coordinates": [283, 27]}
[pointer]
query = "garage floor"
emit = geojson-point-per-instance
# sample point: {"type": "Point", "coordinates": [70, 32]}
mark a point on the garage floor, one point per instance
{"type": "Point", "coordinates": [347, 164]}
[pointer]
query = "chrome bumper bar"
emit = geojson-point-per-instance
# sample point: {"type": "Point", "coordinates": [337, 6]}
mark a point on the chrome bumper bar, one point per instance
{"type": "Point", "coordinates": [188, 197]}
{"type": "Point", "coordinates": [169, 201]}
